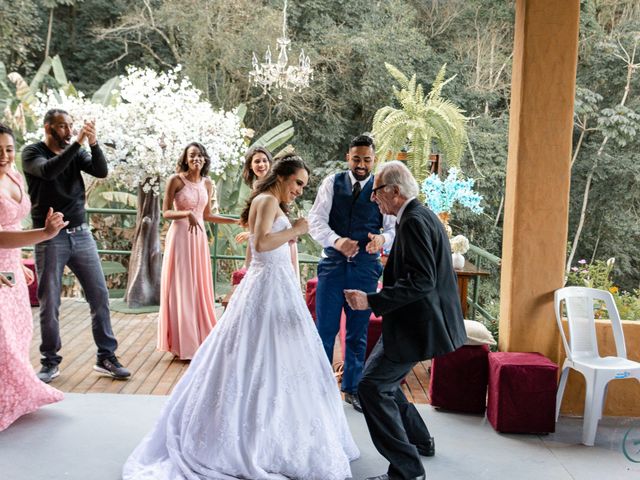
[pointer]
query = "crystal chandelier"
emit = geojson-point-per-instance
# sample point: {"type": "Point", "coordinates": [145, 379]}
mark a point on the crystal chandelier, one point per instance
{"type": "Point", "coordinates": [281, 75]}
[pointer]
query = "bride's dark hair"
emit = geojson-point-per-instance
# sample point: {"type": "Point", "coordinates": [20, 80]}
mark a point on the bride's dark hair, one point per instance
{"type": "Point", "coordinates": [285, 167]}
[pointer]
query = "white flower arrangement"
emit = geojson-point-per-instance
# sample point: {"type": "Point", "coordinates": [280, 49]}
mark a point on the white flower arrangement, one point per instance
{"type": "Point", "coordinates": [152, 119]}
{"type": "Point", "coordinates": [459, 244]}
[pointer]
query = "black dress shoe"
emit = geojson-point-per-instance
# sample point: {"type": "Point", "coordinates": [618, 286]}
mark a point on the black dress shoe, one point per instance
{"type": "Point", "coordinates": [353, 400]}
{"type": "Point", "coordinates": [428, 449]}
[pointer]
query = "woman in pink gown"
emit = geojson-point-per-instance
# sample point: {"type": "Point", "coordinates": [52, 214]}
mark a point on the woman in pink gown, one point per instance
{"type": "Point", "coordinates": [187, 306]}
{"type": "Point", "coordinates": [21, 392]}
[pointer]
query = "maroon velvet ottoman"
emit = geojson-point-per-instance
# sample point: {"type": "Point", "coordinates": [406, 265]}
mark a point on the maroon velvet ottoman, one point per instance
{"type": "Point", "coordinates": [459, 379]}
{"type": "Point", "coordinates": [522, 392]}
{"type": "Point", "coordinates": [310, 296]}
{"type": "Point", "coordinates": [373, 333]}
{"type": "Point", "coordinates": [33, 288]}
{"type": "Point", "coordinates": [375, 323]}
{"type": "Point", "coordinates": [238, 275]}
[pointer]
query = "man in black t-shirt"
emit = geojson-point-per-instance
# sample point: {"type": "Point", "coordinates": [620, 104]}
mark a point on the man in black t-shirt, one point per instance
{"type": "Point", "coordinates": [53, 172]}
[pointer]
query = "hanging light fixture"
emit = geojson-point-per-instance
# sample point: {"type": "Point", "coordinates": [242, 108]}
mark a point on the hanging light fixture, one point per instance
{"type": "Point", "coordinates": [281, 75]}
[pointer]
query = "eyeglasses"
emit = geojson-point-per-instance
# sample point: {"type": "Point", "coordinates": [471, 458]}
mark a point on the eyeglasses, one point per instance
{"type": "Point", "coordinates": [375, 190]}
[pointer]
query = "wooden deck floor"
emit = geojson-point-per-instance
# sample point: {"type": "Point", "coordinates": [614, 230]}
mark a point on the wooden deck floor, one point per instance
{"type": "Point", "coordinates": [153, 372]}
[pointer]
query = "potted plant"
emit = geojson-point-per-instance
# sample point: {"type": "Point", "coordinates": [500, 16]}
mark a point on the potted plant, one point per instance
{"type": "Point", "coordinates": [421, 122]}
{"type": "Point", "coordinates": [459, 246]}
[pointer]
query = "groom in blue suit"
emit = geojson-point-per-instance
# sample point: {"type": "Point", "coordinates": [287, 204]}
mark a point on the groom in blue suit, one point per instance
{"type": "Point", "coordinates": [352, 231]}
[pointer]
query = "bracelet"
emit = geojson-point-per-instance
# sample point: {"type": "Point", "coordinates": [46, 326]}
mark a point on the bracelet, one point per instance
{"type": "Point", "coordinates": [93, 144]}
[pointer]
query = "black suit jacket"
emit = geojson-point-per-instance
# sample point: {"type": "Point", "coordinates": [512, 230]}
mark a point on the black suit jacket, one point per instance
{"type": "Point", "coordinates": [419, 301]}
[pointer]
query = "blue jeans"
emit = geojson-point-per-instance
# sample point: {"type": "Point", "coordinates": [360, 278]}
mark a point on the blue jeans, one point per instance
{"type": "Point", "coordinates": [334, 275]}
{"type": "Point", "coordinates": [79, 252]}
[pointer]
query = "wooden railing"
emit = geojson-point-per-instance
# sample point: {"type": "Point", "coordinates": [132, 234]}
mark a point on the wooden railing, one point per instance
{"type": "Point", "coordinates": [481, 258]}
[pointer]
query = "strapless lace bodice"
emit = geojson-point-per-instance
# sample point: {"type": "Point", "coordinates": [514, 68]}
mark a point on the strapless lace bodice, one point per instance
{"type": "Point", "coordinates": [278, 256]}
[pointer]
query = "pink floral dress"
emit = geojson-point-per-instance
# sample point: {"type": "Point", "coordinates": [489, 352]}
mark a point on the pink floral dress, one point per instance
{"type": "Point", "coordinates": [21, 392]}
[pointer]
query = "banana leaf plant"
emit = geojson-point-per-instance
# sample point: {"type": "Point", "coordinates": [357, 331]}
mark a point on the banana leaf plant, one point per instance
{"type": "Point", "coordinates": [17, 96]}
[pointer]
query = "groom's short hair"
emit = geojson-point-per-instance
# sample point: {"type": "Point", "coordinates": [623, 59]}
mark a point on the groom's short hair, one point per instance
{"type": "Point", "coordinates": [363, 140]}
{"type": "Point", "coordinates": [397, 173]}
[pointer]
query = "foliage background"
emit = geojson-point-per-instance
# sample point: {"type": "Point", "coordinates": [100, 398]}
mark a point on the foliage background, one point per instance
{"type": "Point", "coordinates": [348, 43]}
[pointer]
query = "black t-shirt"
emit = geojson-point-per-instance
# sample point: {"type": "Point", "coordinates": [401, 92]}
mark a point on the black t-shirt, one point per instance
{"type": "Point", "coordinates": [55, 180]}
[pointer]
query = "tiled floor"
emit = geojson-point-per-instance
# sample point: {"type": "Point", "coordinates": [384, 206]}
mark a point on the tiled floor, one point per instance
{"type": "Point", "coordinates": [90, 436]}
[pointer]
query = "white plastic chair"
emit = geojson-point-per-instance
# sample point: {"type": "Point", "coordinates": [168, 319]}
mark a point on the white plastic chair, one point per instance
{"type": "Point", "coordinates": [582, 352]}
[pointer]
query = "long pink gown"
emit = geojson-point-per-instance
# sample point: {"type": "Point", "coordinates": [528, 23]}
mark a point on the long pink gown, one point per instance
{"type": "Point", "coordinates": [21, 392]}
{"type": "Point", "coordinates": [187, 306]}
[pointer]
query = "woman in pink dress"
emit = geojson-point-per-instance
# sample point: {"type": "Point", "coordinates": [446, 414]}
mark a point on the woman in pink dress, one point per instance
{"type": "Point", "coordinates": [187, 306]}
{"type": "Point", "coordinates": [21, 392]}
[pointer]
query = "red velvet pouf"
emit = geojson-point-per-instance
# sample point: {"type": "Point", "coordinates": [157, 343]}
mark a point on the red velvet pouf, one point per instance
{"type": "Point", "coordinates": [33, 288]}
{"type": "Point", "coordinates": [459, 379]}
{"type": "Point", "coordinates": [238, 275]}
{"type": "Point", "coordinates": [375, 323]}
{"type": "Point", "coordinates": [373, 333]}
{"type": "Point", "coordinates": [522, 392]}
{"type": "Point", "coordinates": [310, 296]}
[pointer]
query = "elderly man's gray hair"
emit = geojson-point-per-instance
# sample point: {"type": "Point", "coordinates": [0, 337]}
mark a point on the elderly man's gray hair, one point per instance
{"type": "Point", "coordinates": [397, 173]}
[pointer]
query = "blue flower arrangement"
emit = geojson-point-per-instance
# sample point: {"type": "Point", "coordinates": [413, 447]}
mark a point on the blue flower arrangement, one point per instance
{"type": "Point", "coordinates": [440, 196]}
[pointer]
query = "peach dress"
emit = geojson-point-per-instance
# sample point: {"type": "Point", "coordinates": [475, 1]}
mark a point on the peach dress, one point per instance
{"type": "Point", "coordinates": [187, 306]}
{"type": "Point", "coordinates": [21, 392]}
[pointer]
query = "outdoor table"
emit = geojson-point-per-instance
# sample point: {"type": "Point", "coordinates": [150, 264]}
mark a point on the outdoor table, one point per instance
{"type": "Point", "coordinates": [468, 272]}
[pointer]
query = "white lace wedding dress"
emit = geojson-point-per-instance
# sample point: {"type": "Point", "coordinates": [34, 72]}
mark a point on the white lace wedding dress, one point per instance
{"type": "Point", "coordinates": [259, 400]}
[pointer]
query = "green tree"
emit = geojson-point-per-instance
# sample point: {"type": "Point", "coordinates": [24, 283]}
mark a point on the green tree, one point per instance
{"type": "Point", "coordinates": [349, 43]}
{"type": "Point", "coordinates": [19, 35]}
{"type": "Point", "coordinates": [51, 5]}
{"type": "Point", "coordinates": [604, 201]}
{"type": "Point", "coordinates": [90, 60]}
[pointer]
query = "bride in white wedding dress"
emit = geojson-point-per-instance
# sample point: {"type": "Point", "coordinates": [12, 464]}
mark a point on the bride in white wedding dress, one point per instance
{"type": "Point", "coordinates": [259, 400]}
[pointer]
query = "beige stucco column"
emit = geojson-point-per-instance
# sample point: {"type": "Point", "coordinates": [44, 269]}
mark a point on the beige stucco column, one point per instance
{"type": "Point", "coordinates": [538, 173]}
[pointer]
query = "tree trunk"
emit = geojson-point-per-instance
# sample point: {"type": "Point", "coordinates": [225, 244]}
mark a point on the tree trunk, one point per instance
{"type": "Point", "coordinates": [48, 43]}
{"type": "Point", "coordinates": [145, 265]}
{"type": "Point", "coordinates": [583, 216]}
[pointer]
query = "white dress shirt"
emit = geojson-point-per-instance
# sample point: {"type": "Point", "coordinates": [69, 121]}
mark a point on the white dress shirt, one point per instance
{"type": "Point", "coordinates": [401, 210]}
{"type": "Point", "coordinates": [319, 228]}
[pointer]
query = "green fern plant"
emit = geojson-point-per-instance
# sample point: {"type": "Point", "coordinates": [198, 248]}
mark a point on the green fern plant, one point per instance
{"type": "Point", "coordinates": [420, 122]}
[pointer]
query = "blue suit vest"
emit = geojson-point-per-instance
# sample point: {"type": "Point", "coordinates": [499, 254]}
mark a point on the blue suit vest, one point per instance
{"type": "Point", "coordinates": [353, 218]}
